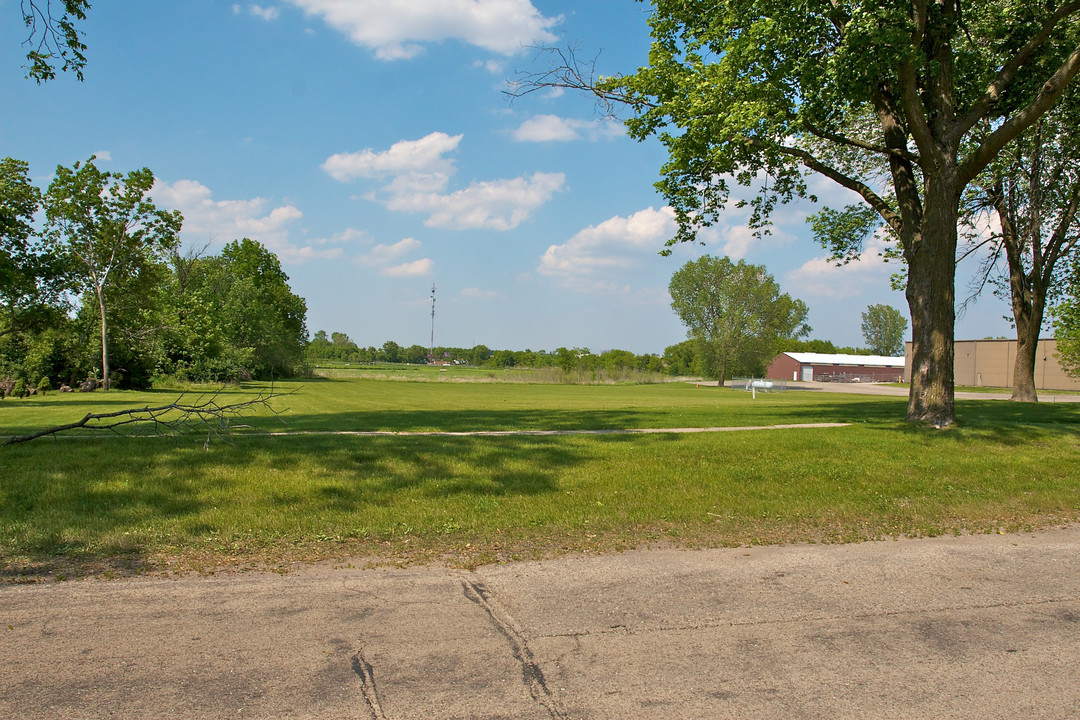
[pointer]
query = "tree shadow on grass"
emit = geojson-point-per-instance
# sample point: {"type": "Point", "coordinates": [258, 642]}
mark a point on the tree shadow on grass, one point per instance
{"type": "Point", "coordinates": [464, 420]}
{"type": "Point", "coordinates": [119, 504]}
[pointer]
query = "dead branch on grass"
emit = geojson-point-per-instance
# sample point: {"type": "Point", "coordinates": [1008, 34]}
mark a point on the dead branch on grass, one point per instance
{"type": "Point", "coordinates": [205, 413]}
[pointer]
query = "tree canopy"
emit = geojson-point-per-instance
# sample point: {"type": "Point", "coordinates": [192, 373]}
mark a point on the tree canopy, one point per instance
{"type": "Point", "coordinates": [100, 272]}
{"type": "Point", "coordinates": [1032, 190]}
{"type": "Point", "coordinates": [903, 104]}
{"type": "Point", "coordinates": [735, 312]}
{"type": "Point", "coordinates": [107, 230]}
{"type": "Point", "coordinates": [54, 39]}
{"type": "Point", "coordinates": [883, 328]}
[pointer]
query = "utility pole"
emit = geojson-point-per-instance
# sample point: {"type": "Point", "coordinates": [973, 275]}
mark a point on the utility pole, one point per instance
{"type": "Point", "coordinates": [431, 351]}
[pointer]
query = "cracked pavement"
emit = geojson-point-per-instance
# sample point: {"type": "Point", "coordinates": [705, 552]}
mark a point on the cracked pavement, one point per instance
{"type": "Point", "coordinates": [971, 627]}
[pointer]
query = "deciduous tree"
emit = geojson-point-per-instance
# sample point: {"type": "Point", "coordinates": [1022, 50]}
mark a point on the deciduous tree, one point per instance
{"type": "Point", "coordinates": [104, 224]}
{"type": "Point", "coordinates": [883, 327]}
{"type": "Point", "coordinates": [1033, 191]}
{"type": "Point", "coordinates": [762, 92]}
{"type": "Point", "coordinates": [32, 280]}
{"type": "Point", "coordinates": [735, 311]}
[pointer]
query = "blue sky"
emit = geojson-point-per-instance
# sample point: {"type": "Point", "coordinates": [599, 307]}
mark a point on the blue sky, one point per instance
{"type": "Point", "coordinates": [369, 143]}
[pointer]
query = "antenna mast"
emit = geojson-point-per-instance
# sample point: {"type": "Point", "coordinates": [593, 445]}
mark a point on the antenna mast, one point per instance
{"type": "Point", "coordinates": [432, 350]}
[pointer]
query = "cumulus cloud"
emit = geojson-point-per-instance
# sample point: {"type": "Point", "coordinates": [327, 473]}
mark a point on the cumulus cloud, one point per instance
{"type": "Point", "coordinates": [399, 29]}
{"type": "Point", "coordinates": [423, 157]}
{"type": "Point", "coordinates": [227, 220]}
{"type": "Point", "coordinates": [552, 128]}
{"type": "Point", "coordinates": [417, 175]}
{"type": "Point", "coordinates": [822, 277]}
{"type": "Point", "coordinates": [384, 254]}
{"type": "Point", "coordinates": [410, 269]}
{"type": "Point", "coordinates": [616, 243]}
{"type": "Point", "coordinates": [494, 205]}
{"type": "Point", "coordinates": [269, 13]}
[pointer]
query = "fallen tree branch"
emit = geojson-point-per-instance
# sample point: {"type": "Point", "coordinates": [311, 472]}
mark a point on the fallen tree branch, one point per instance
{"type": "Point", "coordinates": [175, 418]}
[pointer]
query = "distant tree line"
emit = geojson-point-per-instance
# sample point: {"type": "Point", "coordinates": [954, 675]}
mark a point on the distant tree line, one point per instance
{"type": "Point", "coordinates": [94, 289]}
{"type": "Point", "coordinates": [683, 359]}
{"type": "Point", "coordinates": [340, 348]}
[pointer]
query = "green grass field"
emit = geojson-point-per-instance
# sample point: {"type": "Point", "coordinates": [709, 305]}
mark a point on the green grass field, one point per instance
{"type": "Point", "coordinates": [74, 505]}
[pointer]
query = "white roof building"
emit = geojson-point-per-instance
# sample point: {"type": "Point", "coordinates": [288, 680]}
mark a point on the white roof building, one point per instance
{"type": "Point", "coordinates": [807, 366]}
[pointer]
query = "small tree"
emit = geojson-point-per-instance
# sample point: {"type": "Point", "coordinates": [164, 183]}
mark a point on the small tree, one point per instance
{"type": "Point", "coordinates": [735, 311]}
{"type": "Point", "coordinates": [102, 223]}
{"type": "Point", "coordinates": [883, 327]}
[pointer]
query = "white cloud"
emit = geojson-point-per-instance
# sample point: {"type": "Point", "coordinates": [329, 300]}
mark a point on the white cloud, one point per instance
{"type": "Point", "coordinates": [822, 277]}
{"type": "Point", "coordinates": [615, 244]}
{"type": "Point", "coordinates": [552, 128]}
{"type": "Point", "coordinates": [269, 13]}
{"type": "Point", "coordinates": [410, 269]}
{"type": "Point", "coordinates": [383, 254]}
{"type": "Point", "coordinates": [419, 175]}
{"type": "Point", "coordinates": [103, 155]}
{"type": "Point", "coordinates": [422, 157]}
{"type": "Point", "coordinates": [495, 205]}
{"type": "Point", "coordinates": [398, 29]}
{"type": "Point", "coordinates": [228, 220]}
{"type": "Point", "coordinates": [495, 67]}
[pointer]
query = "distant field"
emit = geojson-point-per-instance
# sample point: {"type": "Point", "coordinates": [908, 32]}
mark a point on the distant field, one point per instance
{"type": "Point", "coordinates": [109, 505]}
{"type": "Point", "coordinates": [468, 373]}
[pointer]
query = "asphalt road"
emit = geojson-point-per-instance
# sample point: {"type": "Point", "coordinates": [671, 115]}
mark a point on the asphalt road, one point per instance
{"type": "Point", "coordinates": [974, 627]}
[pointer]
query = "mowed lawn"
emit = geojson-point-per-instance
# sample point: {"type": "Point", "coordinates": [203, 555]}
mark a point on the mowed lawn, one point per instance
{"type": "Point", "coordinates": [75, 505]}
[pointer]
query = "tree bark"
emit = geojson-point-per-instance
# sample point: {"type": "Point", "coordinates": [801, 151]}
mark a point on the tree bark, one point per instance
{"type": "Point", "coordinates": [1024, 368]}
{"type": "Point", "coordinates": [931, 299]}
{"type": "Point", "coordinates": [1029, 302]}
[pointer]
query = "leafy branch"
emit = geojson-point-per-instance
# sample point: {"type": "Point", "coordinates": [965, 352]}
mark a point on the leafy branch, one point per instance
{"type": "Point", "coordinates": [176, 418]}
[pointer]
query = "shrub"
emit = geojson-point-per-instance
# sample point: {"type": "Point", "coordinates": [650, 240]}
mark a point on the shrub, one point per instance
{"type": "Point", "coordinates": [19, 390]}
{"type": "Point", "coordinates": [44, 385]}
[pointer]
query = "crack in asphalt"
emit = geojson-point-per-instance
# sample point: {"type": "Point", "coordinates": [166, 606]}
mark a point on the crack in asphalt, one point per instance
{"type": "Point", "coordinates": [368, 688]}
{"type": "Point", "coordinates": [531, 674]}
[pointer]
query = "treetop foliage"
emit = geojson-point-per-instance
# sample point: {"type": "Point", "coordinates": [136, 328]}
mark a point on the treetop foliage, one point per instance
{"type": "Point", "coordinates": [735, 312]}
{"type": "Point", "coordinates": [102, 285]}
{"type": "Point", "coordinates": [53, 40]}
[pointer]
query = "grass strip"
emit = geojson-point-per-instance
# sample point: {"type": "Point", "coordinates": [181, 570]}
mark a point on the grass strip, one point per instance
{"type": "Point", "coordinates": [165, 504]}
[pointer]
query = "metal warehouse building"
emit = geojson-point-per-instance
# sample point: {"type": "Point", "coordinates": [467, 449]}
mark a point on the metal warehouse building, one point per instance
{"type": "Point", "coordinates": [827, 367]}
{"type": "Point", "coordinates": [990, 363]}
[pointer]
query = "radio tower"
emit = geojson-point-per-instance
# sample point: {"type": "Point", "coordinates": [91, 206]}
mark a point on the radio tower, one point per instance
{"type": "Point", "coordinates": [432, 350]}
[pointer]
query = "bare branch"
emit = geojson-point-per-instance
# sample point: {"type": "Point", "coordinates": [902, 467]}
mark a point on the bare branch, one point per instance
{"type": "Point", "coordinates": [203, 414]}
{"type": "Point", "coordinates": [567, 72]}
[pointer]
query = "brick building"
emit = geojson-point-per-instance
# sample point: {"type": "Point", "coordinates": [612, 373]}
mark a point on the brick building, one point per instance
{"type": "Point", "coordinates": [828, 367]}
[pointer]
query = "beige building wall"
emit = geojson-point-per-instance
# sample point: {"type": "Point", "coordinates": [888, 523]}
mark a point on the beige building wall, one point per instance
{"type": "Point", "coordinates": [989, 363]}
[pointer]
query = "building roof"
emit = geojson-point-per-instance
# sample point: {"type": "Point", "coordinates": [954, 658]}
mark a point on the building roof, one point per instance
{"type": "Point", "coordinates": [809, 358]}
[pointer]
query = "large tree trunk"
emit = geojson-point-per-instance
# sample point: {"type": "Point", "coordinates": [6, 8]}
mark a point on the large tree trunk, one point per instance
{"type": "Point", "coordinates": [1028, 315]}
{"type": "Point", "coordinates": [1024, 367]}
{"type": "Point", "coordinates": [931, 299]}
